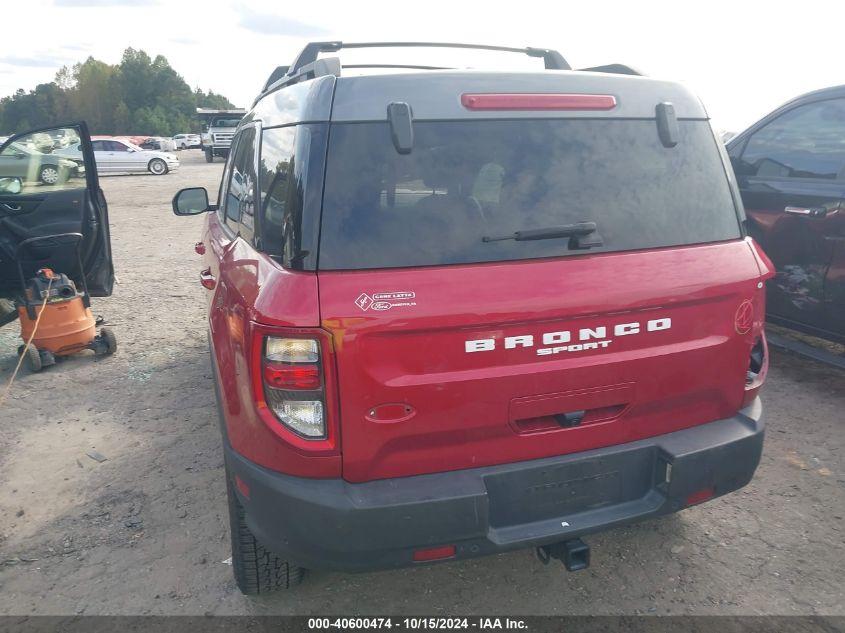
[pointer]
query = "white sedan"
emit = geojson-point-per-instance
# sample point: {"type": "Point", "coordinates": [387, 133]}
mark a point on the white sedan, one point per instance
{"type": "Point", "coordinates": [114, 156]}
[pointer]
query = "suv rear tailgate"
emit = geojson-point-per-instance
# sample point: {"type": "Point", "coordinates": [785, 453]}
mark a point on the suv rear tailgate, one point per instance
{"type": "Point", "coordinates": [422, 391]}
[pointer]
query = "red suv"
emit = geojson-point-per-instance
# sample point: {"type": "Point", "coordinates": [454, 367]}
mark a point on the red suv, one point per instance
{"type": "Point", "coordinates": [454, 313]}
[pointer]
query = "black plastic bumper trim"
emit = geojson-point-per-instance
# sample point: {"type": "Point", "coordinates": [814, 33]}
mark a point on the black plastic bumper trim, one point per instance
{"type": "Point", "coordinates": [333, 524]}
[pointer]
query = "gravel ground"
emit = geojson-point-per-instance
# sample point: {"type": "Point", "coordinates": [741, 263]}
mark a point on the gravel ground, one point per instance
{"type": "Point", "coordinates": [145, 532]}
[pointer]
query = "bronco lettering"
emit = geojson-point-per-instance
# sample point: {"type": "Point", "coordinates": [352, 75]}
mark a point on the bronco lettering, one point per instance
{"type": "Point", "coordinates": [586, 338]}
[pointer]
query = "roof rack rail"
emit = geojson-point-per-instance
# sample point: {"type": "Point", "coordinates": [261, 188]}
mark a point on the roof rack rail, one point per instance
{"type": "Point", "coordinates": [317, 68]}
{"type": "Point", "coordinates": [553, 60]}
{"type": "Point", "coordinates": [307, 65]}
{"type": "Point", "coordinates": [282, 71]}
{"type": "Point", "coordinates": [410, 66]}
{"type": "Point", "coordinates": [615, 69]}
{"type": "Point", "coordinates": [277, 74]}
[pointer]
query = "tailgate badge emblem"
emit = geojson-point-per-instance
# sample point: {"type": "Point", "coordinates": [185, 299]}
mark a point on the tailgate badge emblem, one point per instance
{"type": "Point", "coordinates": [364, 301]}
{"type": "Point", "coordinates": [744, 319]}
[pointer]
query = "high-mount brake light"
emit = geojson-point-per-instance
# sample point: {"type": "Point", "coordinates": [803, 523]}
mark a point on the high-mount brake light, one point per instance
{"type": "Point", "coordinates": [294, 385]}
{"type": "Point", "coordinates": [536, 101]}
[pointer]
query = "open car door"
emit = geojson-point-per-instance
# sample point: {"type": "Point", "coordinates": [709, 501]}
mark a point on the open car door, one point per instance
{"type": "Point", "coordinates": [49, 185]}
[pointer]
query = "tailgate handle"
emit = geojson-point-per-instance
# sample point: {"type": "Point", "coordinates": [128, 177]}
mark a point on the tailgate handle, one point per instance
{"type": "Point", "coordinates": [570, 419]}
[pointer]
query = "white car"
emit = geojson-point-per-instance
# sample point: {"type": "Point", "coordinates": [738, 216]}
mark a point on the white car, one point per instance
{"type": "Point", "coordinates": [187, 141]}
{"type": "Point", "coordinates": [114, 156]}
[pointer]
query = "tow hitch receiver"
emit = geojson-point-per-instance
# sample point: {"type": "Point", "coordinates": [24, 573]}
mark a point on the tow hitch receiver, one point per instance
{"type": "Point", "coordinates": [574, 554]}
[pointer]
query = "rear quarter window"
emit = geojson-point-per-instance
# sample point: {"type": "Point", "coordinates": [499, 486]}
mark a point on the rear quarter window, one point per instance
{"type": "Point", "coordinates": [291, 170]}
{"type": "Point", "coordinates": [468, 179]}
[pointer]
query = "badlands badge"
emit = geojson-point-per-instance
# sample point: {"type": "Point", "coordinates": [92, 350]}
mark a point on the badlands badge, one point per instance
{"type": "Point", "coordinates": [744, 317]}
{"type": "Point", "coordinates": [381, 301]}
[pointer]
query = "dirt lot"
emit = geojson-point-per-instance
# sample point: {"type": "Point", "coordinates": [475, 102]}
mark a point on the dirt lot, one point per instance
{"type": "Point", "coordinates": [146, 531]}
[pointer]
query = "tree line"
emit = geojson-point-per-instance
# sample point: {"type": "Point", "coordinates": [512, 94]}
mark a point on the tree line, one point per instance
{"type": "Point", "coordinates": [139, 95]}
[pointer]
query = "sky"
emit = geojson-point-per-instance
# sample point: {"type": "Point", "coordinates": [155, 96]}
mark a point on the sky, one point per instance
{"type": "Point", "coordinates": [743, 59]}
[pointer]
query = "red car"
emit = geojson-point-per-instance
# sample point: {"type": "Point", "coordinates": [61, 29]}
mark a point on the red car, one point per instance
{"type": "Point", "coordinates": [458, 313]}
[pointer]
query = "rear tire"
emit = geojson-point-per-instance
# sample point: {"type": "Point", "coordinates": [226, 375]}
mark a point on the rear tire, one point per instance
{"type": "Point", "coordinates": [33, 359]}
{"type": "Point", "coordinates": [47, 358]}
{"type": "Point", "coordinates": [157, 167]}
{"type": "Point", "coordinates": [110, 341]}
{"type": "Point", "coordinates": [256, 569]}
{"type": "Point", "coordinates": [209, 156]}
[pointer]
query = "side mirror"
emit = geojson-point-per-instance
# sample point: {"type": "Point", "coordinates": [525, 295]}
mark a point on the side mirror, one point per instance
{"type": "Point", "coordinates": [191, 201]}
{"type": "Point", "coordinates": [11, 185]}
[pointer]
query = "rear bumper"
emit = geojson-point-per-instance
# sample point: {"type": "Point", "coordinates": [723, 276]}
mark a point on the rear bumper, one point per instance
{"type": "Point", "coordinates": [332, 524]}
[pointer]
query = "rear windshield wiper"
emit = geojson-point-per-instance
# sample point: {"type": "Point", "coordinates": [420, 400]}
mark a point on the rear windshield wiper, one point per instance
{"type": "Point", "coordinates": [581, 235]}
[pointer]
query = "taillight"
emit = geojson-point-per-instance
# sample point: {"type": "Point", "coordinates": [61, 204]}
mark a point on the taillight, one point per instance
{"type": "Point", "coordinates": [749, 321]}
{"type": "Point", "coordinates": [757, 362]}
{"type": "Point", "coordinates": [758, 367]}
{"type": "Point", "coordinates": [291, 350]}
{"type": "Point", "coordinates": [301, 416]}
{"type": "Point", "coordinates": [293, 384]}
{"type": "Point", "coordinates": [279, 376]}
{"type": "Point", "coordinates": [292, 422]}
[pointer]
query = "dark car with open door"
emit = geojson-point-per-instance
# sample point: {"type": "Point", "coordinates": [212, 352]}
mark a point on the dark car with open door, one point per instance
{"type": "Point", "coordinates": [31, 207]}
{"type": "Point", "coordinates": [790, 167]}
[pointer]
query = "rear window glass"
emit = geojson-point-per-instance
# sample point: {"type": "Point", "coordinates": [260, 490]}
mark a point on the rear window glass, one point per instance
{"type": "Point", "coordinates": [465, 180]}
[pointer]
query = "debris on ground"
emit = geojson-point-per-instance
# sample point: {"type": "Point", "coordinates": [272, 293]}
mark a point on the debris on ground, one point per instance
{"type": "Point", "coordinates": [96, 456]}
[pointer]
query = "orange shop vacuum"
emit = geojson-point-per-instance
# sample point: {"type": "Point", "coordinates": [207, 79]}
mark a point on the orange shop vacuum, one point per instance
{"type": "Point", "coordinates": [55, 314]}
